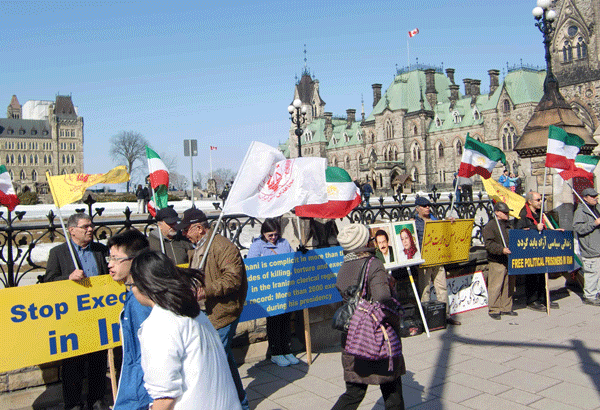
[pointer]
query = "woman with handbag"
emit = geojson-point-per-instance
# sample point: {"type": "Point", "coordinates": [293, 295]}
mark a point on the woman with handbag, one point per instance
{"type": "Point", "coordinates": [360, 373]}
{"type": "Point", "coordinates": [279, 333]}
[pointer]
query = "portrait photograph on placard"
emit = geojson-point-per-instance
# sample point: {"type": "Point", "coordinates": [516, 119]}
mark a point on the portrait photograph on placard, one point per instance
{"type": "Point", "coordinates": [382, 240]}
{"type": "Point", "coordinates": [405, 234]}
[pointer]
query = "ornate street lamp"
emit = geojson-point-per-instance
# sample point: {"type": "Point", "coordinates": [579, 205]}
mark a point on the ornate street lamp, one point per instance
{"type": "Point", "coordinates": [545, 18]}
{"type": "Point", "coordinates": [298, 116]}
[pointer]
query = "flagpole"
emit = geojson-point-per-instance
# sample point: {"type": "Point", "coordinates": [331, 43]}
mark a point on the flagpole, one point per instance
{"type": "Point", "coordinates": [580, 198]}
{"type": "Point", "coordinates": [408, 53]}
{"type": "Point", "coordinates": [210, 160]}
{"type": "Point", "coordinates": [498, 223]}
{"type": "Point", "coordinates": [162, 244]}
{"type": "Point", "coordinates": [62, 223]}
{"type": "Point", "coordinates": [543, 195]}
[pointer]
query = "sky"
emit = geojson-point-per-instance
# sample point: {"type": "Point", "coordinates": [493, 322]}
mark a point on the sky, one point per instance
{"type": "Point", "coordinates": [223, 73]}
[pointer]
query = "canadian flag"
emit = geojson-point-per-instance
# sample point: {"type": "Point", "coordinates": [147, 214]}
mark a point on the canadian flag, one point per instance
{"type": "Point", "coordinates": [213, 148]}
{"type": "Point", "coordinates": [413, 33]}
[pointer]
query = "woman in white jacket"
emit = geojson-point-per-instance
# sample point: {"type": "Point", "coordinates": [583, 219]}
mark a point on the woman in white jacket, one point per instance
{"type": "Point", "coordinates": [184, 363]}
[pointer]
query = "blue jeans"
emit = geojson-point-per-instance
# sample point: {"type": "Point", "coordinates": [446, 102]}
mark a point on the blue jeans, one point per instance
{"type": "Point", "coordinates": [226, 334]}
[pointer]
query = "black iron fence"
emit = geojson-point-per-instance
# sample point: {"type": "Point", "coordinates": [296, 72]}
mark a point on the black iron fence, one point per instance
{"type": "Point", "coordinates": [19, 239]}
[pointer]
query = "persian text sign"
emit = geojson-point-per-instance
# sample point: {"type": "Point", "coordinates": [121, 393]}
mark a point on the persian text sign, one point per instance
{"type": "Point", "coordinates": [534, 252]}
{"type": "Point", "coordinates": [446, 242]}
{"type": "Point", "coordinates": [467, 292]}
{"type": "Point", "coordinates": [292, 281]}
{"type": "Point", "coordinates": [52, 321]}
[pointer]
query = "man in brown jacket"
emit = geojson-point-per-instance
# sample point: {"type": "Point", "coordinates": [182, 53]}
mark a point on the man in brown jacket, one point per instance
{"type": "Point", "coordinates": [225, 283]}
{"type": "Point", "coordinates": [500, 285]}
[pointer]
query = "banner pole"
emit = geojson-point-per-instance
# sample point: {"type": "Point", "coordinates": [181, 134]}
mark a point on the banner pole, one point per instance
{"type": "Point", "coordinates": [62, 223]}
{"type": "Point", "coordinates": [305, 313]}
{"type": "Point", "coordinates": [543, 197]}
{"type": "Point", "coordinates": [162, 244]}
{"type": "Point", "coordinates": [414, 288]}
{"type": "Point", "coordinates": [113, 375]}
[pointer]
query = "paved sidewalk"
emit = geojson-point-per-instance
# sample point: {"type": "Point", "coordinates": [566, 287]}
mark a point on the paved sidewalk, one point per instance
{"type": "Point", "coordinates": [532, 361]}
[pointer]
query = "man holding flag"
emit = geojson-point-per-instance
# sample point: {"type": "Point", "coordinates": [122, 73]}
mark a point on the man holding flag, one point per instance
{"type": "Point", "coordinates": [586, 222]}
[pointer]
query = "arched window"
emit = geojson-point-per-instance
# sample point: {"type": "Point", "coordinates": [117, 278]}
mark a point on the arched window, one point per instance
{"type": "Point", "coordinates": [31, 158]}
{"type": "Point", "coordinates": [506, 106]}
{"type": "Point", "coordinates": [476, 114]}
{"type": "Point", "coordinates": [49, 159]}
{"type": "Point", "coordinates": [347, 162]}
{"type": "Point", "coordinates": [7, 159]}
{"type": "Point", "coordinates": [567, 52]}
{"type": "Point", "coordinates": [414, 174]}
{"type": "Point", "coordinates": [34, 175]}
{"type": "Point", "coordinates": [388, 130]}
{"type": "Point", "coordinates": [45, 159]}
{"type": "Point", "coordinates": [384, 154]}
{"type": "Point", "coordinates": [22, 175]}
{"type": "Point", "coordinates": [72, 159]}
{"type": "Point", "coordinates": [346, 138]}
{"type": "Point", "coordinates": [308, 136]}
{"type": "Point", "coordinates": [440, 150]}
{"type": "Point", "coordinates": [459, 148]}
{"type": "Point", "coordinates": [63, 158]}
{"type": "Point", "coordinates": [36, 159]}
{"type": "Point", "coordinates": [415, 130]}
{"type": "Point", "coordinates": [334, 162]}
{"type": "Point", "coordinates": [438, 122]}
{"type": "Point", "coordinates": [395, 153]}
{"type": "Point", "coordinates": [359, 136]}
{"type": "Point", "coordinates": [314, 109]}
{"type": "Point", "coordinates": [416, 152]}
{"type": "Point", "coordinates": [581, 48]}
{"type": "Point", "coordinates": [12, 159]}
{"type": "Point", "coordinates": [508, 137]}
{"type": "Point", "coordinates": [456, 117]}
{"type": "Point", "coordinates": [19, 159]}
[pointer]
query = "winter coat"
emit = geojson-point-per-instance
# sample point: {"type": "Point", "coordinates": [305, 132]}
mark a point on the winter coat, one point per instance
{"type": "Point", "coordinates": [493, 241]}
{"type": "Point", "coordinates": [358, 370]}
{"type": "Point", "coordinates": [587, 231]}
{"type": "Point", "coordinates": [176, 249]}
{"type": "Point", "coordinates": [225, 279]}
{"type": "Point", "coordinates": [261, 248]}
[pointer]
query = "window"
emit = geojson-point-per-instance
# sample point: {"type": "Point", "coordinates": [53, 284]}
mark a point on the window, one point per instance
{"type": "Point", "coordinates": [21, 131]}
{"type": "Point", "coordinates": [7, 159]}
{"type": "Point", "coordinates": [10, 131]}
{"type": "Point", "coordinates": [62, 133]}
{"type": "Point", "coordinates": [45, 132]}
{"type": "Point", "coordinates": [395, 154]}
{"type": "Point", "coordinates": [31, 159]}
{"type": "Point", "coordinates": [334, 162]}
{"type": "Point", "coordinates": [335, 140]}
{"type": "Point", "coordinates": [476, 114]}
{"type": "Point", "coordinates": [33, 175]}
{"type": "Point", "coordinates": [567, 52]}
{"type": "Point", "coordinates": [459, 148]}
{"type": "Point", "coordinates": [388, 130]}
{"type": "Point", "coordinates": [508, 137]}
{"type": "Point", "coordinates": [581, 48]}
{"type": "Point", "coordinates": [359, 136]}
{"type": "Point", "coordinates": [359, 159]}
{"type": "Point", "coordinates": [33, 132]}
{"type": "Point", "coordinates": [346, 137]}
{"type": "Point", "coordinates": [45, 160]}
{"type": "Point", "coordinates": [308, 136]}
{"type": "Point", "coordinates": [415, 152]}
{"type": "Point", "coordinates": [22, 175]}
{"type": "Point", "coordinates": [506, 106]}
{"type": "Point", "coordinates": [72, 159]}
{"type": "Point", "coordinates": [438, 122]}
{"type": "Point", "coordinates": [415, 130]}
{"type": "Point", "coordinates": [414, 174]}
{"type": "Point", "coordinates": [347, 163]}
{"type": "Point", "coordinates": [49, 159]}
{"type": "Point", "coordinates": [572, 31]}
{"type": "Point", "coordinates": [456, 117]}
{"type": "Point", "coordinates": [440, 150]}
{"type": "Point", "coordinates": [19, 159]}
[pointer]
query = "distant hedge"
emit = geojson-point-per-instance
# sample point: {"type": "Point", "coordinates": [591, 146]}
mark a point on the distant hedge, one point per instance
{"type": "Point", "coordinates": [28, 198]}
{"type": "Point", "coordinates": [124, 197]}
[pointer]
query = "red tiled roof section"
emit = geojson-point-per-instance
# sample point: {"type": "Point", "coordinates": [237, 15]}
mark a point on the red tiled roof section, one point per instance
{"type": "Point", "coordinates": [64, 106]}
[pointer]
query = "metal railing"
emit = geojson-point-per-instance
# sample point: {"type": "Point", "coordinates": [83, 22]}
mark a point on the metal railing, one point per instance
{"type": "Point", "coordinates": [19, 239]}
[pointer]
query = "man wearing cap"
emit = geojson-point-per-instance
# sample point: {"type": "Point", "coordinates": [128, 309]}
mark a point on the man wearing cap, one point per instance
{"type": "Point", "coordinates": [225, 283]}
{"type": "Point", "coordinates": [585, 222]}
{"type": "Point", "coordinates": [500, 285]}
{"type": "Point", "coordinates": [437, 274]}
{"type": "Point", "coordinates": [176, 246]}
{"type": "Point", "coordinates": [535, 283]}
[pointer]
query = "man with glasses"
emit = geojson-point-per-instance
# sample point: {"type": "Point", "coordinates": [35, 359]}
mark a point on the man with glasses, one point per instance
{"type": "Point", "coordinates": [123, 248]}
{"type": "Point", "coordinates": [435, 274]}
{"type": "Point", "coordinates": [586, 222]}
{"type": "Point", "coordinates": [176, 245]}
{"type": "Point", "coordinates": [90, 262]}
{"type": "Point", "coordinates": [225, 283]}
{"type": "Point", "coordinates": [535, 284]}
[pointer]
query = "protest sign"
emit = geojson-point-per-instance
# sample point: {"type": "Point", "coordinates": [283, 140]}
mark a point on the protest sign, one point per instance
{"type": "Point", "coordinates": [467, 292]}
{"type": "Point", "coordinates": [57, 320]}
{"type": "Point", "coordinates": [291, 281]}
{"type": "Point", "coordinates": [446, 242]}
{"type": "Point", "coordinates": [533, 251]}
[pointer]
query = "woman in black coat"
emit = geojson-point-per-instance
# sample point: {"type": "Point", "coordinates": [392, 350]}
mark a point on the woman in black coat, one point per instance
{"type": "Point", "coordinates": [359, 373]}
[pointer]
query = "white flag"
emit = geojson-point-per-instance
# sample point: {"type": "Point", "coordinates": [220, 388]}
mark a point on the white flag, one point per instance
{"type": "Point", "coordinates": [268, 185]}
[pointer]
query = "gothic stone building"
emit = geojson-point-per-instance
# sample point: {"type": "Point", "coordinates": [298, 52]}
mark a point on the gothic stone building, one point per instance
{"type": "Point", "coordinates": [40, 137]}
{"type": "Point", "coordinates": [417, 128]}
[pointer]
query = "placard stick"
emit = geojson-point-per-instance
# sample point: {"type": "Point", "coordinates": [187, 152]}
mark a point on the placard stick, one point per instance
{"type": "Point", "coordinates": [547, 294]}
{"type": "Point", "coordinates": [113, 376]}
{"type": "Point", "coordinates": [414, 288]}
{"type": "Point", "coordinates": [305, 314]}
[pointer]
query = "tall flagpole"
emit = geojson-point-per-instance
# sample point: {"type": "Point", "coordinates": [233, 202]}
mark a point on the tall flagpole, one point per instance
{"type": "Point", "coordinates": [408, 53]}
{"type": "Point", "coordinates": [62, 223]}
{"type": "Point", "coordinates": [210, 159]}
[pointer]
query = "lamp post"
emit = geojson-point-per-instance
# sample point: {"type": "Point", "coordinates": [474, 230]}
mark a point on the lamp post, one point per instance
{"type": "Point", "coordinates": [545, 18]}
{"type": "Point", "coordinates": [298, 116]}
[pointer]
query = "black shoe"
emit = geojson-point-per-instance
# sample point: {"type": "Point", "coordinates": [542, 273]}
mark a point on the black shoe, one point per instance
{"type": "Point", "coordinates": [511, 313]}
{"type": "Point", "coordinates": [99, 405]}
{"type": "Point", "coordinates": [452, 321]}
{"type": "Point", "coordinates": [495, 316]}
{"type": "Point", "coordinates": [537, 306]}
{"type": "Point", "coordinates": [554, 305]}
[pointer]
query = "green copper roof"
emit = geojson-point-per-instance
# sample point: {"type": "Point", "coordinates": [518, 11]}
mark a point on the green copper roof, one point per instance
{"type": "Point", "coordinates": [316, 128]}
{"type": "Point", "coordinates": [345, 137]}
{"type": "Point", "coordinates": [523, 86]}
{"type": "Point", "coordinates": [406, 91]}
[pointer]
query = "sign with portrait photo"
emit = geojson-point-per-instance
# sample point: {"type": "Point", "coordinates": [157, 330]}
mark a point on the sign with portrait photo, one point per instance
{"type": "Point", "coordinates": [383, 241]}
{"type": "Point", "coordinates": [405, 235]}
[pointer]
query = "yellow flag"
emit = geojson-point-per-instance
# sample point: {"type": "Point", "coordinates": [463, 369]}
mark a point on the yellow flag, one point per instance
{"type": "Point", "coordinates": [499, 193]}
{"type": "Point", "coordinates": [71, 187]}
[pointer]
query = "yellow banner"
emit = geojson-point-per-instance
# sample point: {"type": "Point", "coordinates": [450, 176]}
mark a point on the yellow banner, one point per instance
{"type": "Point", "coordinates": [51, 321]}
{"type": "Point", "coordinates": [499, 193]}
{"type": "Point", "coordinates": [71, 187]}
{"type": "Point", "coordinates": [446, 242]}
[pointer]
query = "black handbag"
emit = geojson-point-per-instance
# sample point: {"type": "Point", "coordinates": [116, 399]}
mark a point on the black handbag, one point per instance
{"type": "Point", "coordinates": [341, 317]}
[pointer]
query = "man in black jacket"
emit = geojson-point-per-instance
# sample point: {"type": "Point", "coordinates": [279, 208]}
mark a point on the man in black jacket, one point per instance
{"type": "Point", "coordinates": [500, 285]}
{"type": "Point", "coordinates": [90, 262]}
{"type": "Point", "coordinates": [535, 284]}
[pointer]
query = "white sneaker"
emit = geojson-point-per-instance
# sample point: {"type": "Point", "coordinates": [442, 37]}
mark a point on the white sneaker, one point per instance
{"type": "Point", "coordinates": [291, 358]}
{"type": "Point", "coordinates": [280, 360]}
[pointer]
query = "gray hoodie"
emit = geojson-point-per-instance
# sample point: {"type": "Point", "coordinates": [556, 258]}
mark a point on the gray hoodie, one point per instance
{"type": "Point", "coordinates": [588, 232]}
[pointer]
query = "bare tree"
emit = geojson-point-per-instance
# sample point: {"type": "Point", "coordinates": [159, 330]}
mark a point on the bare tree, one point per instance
{"type": "Point", "coordinates": [170, 161]}
{"type": "Point", "coordinates": [129, 146]}
{"type": "Point", "coordinates": [222, 176]}
{"type": "Point", "coordinates": [198, 180]}
{"type": "Point", "coordinates": [178, 181]}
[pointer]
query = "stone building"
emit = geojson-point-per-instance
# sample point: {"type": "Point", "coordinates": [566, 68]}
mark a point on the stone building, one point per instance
{"type": "Point", "coordinates": [417, 128]}
{"type": "Point", "coordinates": [40, 137]}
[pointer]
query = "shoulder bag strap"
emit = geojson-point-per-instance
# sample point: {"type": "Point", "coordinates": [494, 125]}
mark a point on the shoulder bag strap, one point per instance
{"type": "Point", "coordinates": [365, 276]}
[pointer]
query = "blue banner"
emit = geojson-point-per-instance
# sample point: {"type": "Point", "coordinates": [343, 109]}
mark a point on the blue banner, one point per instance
{"type": "Point", "coordinates": [534, 252]}
{"type": "Point", "coordinates": [292, 281]}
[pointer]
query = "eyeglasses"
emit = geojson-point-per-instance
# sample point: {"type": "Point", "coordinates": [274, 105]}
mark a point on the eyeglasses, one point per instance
{"type": "Point", "coordinates": [85, 227]}
{"type": "Point", "coordinates": [129, 285]}
{"type": "Point", "coordinates": [110, 259]}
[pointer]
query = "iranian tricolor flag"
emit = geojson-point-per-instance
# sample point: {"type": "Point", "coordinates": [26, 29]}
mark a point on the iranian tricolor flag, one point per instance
{"type": "Point", "coordinates": [159, 182]}
{"type": "Point", "coordinates": [562, 148]}
{"type": "Point", "coordinates": [479, 158]}
{"type": "Point", "coordinates": [342, 197]}
{"type": "Point", "coordinates": [584, 167]}
{"type": "Point", "coordinates": [8, 197]}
